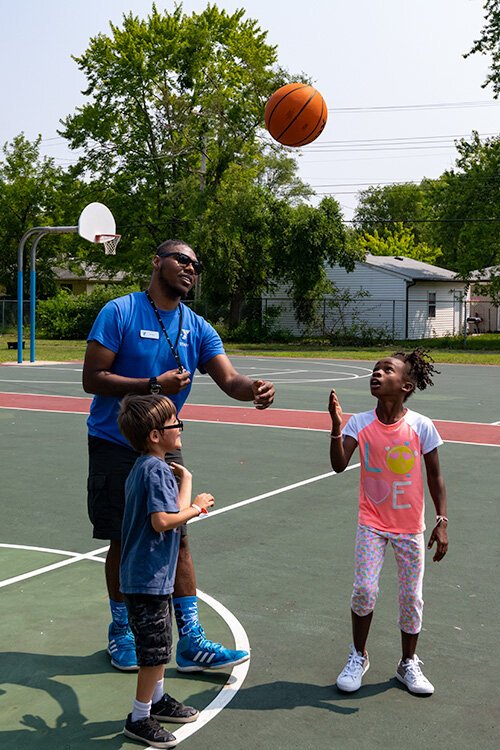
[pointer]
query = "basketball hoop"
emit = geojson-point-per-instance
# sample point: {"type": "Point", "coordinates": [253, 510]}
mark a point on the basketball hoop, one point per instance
{"type": "Point", "coordinates": [110, 241]}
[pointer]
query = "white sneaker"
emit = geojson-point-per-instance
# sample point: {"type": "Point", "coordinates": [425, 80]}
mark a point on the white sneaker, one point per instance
{"type": "Point", "coordinates": [351, 676]}
{"type": "Point", "coordinates": [410, 674]}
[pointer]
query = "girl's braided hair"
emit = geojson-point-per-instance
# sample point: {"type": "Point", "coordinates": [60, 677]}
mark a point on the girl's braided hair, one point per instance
{"type": "Point", "coordinates": [420, 368]}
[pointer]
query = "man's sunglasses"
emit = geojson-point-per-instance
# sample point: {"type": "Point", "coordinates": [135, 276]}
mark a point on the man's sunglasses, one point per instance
{"type": "Point", "coordinates": [178, 425]}
{"type": "Point", "coordinates": [184, 260]}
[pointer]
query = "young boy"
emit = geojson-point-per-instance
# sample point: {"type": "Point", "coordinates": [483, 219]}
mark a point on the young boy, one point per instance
{"type": "Point", "coordinates": [154, 509]}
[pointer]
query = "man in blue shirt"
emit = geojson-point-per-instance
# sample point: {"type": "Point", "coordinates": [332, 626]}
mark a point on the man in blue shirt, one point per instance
{"type": "Point", "coordinates": [150, 342]}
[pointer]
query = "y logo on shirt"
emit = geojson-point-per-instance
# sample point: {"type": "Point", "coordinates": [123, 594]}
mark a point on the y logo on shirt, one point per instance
{"type": "Point", "coordinates": [184, 336]}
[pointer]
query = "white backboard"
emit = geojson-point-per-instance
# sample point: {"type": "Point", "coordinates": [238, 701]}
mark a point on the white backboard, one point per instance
{"type": "Point", "coordinates": [96, 219]}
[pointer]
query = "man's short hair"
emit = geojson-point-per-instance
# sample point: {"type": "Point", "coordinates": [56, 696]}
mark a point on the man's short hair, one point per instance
{"type": "Point", "coordinates": [171, 246]}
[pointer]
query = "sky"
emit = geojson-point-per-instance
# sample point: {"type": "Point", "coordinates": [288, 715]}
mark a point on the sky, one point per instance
{"type": "Point", "coordinates": [392, 72]}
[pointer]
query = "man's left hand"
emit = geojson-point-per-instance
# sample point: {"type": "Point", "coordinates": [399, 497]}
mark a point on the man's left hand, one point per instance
{"type": "Point", "coordinates": [263, 392]}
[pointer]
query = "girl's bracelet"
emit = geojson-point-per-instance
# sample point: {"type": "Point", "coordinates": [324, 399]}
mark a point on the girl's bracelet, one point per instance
{"type": "Point", "coordinates": [201, 511]}
{"type": "Point", "coordinates": [335, 437]}
{"type": "Point", "coordinates": [440, 520]}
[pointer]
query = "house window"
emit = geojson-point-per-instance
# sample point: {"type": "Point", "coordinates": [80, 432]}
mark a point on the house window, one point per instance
{"type": "Point", "coordinates": [431, 304]}
{"type": "Point", "coordinates": [67, 288]}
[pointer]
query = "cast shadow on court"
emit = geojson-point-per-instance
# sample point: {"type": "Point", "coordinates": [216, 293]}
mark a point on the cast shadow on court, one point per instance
{"type": "Point", "coordinates": [40, 671]}
{"type": "Point", "coordinates": [289, 695]}
{"type": "Point", "coordinates": [79, 736]}
{"type": "Point", "coordinates": [72, 729]}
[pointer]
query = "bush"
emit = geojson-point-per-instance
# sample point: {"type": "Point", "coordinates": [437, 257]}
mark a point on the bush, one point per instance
{"type": "Point", "coordinates": [360, 334]}
{"type": "Point", "coordinates": [255, 328]}
{"type": "Point", "coordinates": [68, 316]}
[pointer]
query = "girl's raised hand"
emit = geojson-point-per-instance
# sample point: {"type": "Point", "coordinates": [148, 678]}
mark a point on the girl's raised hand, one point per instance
{"type": "Point", "coordinates": [335, 410]}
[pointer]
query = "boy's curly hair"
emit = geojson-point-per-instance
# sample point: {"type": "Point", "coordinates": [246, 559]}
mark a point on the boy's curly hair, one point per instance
{"type": "Point", "coordinates": [420, 368]}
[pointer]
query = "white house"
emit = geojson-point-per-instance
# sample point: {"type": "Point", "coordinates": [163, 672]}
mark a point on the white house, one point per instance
{"type": "Point", "coordinates": [84, 280]}
{"type": "Point", "coordinates": [481, 304]}
{"type": "Point", "coordinates": [410, 299]}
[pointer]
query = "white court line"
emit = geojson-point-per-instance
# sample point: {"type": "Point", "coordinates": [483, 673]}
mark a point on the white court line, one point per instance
{"type": "Point", "coordinates": [47, 411]}
{"type": "Point", "coordinates": [279, 491]}
{"type": "Point", "coordinates": [47, 568]}
{"type": "Point", "coordinates": [271, 373]}
{"type": "Point", "coordinates": [54, 551]}
{"type": "Point", "coordinates": [44, 382]}
{"type": "Point", "coordinates": [256, 424]}
{"type": "Point", "coordinates": [334, 378]}
{"type": "Point", "coordinates": [494, 423]}
{"type": "Point", "coordinates": [465, 442]}
{"type": "Point", "coordinates": [236, 678]}
{"type": "Point", "coordinates": [48, 395]}
{"type": "Point", "coordinates": [238, 673]}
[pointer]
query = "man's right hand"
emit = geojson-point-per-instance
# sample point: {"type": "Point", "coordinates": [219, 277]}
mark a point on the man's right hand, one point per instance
{"type": "Point", "coordinates": [174, 381]}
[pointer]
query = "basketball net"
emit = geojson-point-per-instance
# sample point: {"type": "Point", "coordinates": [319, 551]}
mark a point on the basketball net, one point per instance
{"type": "Point", "coordinates": [110, 241]}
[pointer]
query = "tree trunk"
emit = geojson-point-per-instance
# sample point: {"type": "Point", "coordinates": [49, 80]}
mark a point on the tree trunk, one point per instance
{"type": "Point", "coordinates": [235, 307]}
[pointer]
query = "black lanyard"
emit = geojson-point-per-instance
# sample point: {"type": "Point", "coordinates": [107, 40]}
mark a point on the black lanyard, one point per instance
{"type": "Point", "coordinates": [173, 349]}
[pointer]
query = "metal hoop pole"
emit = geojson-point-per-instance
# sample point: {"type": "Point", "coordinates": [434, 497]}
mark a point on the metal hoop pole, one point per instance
{"type": "Point", "coordinates": [20, 279]}
{"type": "Point", "coordinates": [33, 294]}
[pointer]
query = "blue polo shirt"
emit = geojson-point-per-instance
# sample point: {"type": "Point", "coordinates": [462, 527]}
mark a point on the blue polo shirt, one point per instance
{"type": "Point", "coordinates": [128, 327]}
{"type": "Point", "coordinates": [148, 558]}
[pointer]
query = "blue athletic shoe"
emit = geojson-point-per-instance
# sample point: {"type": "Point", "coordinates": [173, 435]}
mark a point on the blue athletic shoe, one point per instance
{"type": "Point", "coordinates": [121, 648]}
{"type": "Point", "coordinates": [196, 653]}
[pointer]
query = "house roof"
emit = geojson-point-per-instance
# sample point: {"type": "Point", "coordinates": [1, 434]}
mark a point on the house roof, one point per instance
{"type": "Point", "coordinates": [486, 274]}
{"type": "Point", "coordinates": [88, 272]}
{"type": "Point", "coordinates": [409, 268]}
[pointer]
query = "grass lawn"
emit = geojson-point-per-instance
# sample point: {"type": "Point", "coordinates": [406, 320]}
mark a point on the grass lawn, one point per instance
{"type": "Point", "coordinates": [482, 349]}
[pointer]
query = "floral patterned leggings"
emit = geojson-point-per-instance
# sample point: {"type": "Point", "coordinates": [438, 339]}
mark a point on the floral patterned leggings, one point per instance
{"type": "Point", "coordinates": [409, 552]}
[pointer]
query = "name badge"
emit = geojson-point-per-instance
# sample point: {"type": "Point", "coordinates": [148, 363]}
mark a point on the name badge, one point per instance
{"type": "Point", "coordinates": [149, 334]}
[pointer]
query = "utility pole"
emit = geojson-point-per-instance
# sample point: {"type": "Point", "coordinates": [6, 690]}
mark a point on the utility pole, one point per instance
{"type": "Point", "coordinates": [203, 173]}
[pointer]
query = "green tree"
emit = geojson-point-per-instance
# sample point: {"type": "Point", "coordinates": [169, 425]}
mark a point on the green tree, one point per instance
{"type": "Point", "coordinates": [399, 242]}
{"type": "Point", "coordinates": [465, 206]}
{"type": "Point", "coordinates": [237, 241]}
{"type": "Point", "coordinates": [32, 191]}
{"type": "Point", "coordinates": [381, 209]}
{"type": "Point", "coordinates": [173, 102]}
{"type": "Point", "coordinates": [307, 238]}
{"type": "Point", "coordinates": [489, 44]}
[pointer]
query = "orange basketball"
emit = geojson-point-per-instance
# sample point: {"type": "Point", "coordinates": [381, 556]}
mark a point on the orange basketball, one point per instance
{"type": "Point", "coordinates": [295, 114]}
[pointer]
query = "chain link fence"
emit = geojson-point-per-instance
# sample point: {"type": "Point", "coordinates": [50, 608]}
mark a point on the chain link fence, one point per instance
{"type": "Point", "coordinates": [8, 314]}
{"type": "Point", "coordinates": [396, 319]}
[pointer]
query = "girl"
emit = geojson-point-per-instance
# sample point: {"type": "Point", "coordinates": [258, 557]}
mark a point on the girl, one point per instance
{"type": "Point", "coordinates": [392, 440]}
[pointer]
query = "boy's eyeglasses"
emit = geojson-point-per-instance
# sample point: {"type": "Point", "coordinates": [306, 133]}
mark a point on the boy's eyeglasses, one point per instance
{"type": "Point", "coordinates": [184, 260]}
{"type": "Point", "coordinates": [178, 425]}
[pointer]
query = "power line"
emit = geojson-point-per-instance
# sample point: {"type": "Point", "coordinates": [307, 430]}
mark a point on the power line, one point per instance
{"type": "Point", "coordinates": [407, 107]}
{"type": "Point", "coordinates": [416, 139]}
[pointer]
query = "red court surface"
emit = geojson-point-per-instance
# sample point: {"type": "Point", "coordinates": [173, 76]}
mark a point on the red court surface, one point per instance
{"type": "Point", "coordinates": [477, 433]}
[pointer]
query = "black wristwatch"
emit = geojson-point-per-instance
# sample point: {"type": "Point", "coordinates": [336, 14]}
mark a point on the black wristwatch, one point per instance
{"type": "Point", "coordinates": [154, 386]}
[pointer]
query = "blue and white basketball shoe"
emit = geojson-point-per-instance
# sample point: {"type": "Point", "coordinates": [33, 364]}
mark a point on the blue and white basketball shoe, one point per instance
{"type": "Point", "coordinates": [121, 648]}
{"type": "Point", "coordinates": [196, 653]}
